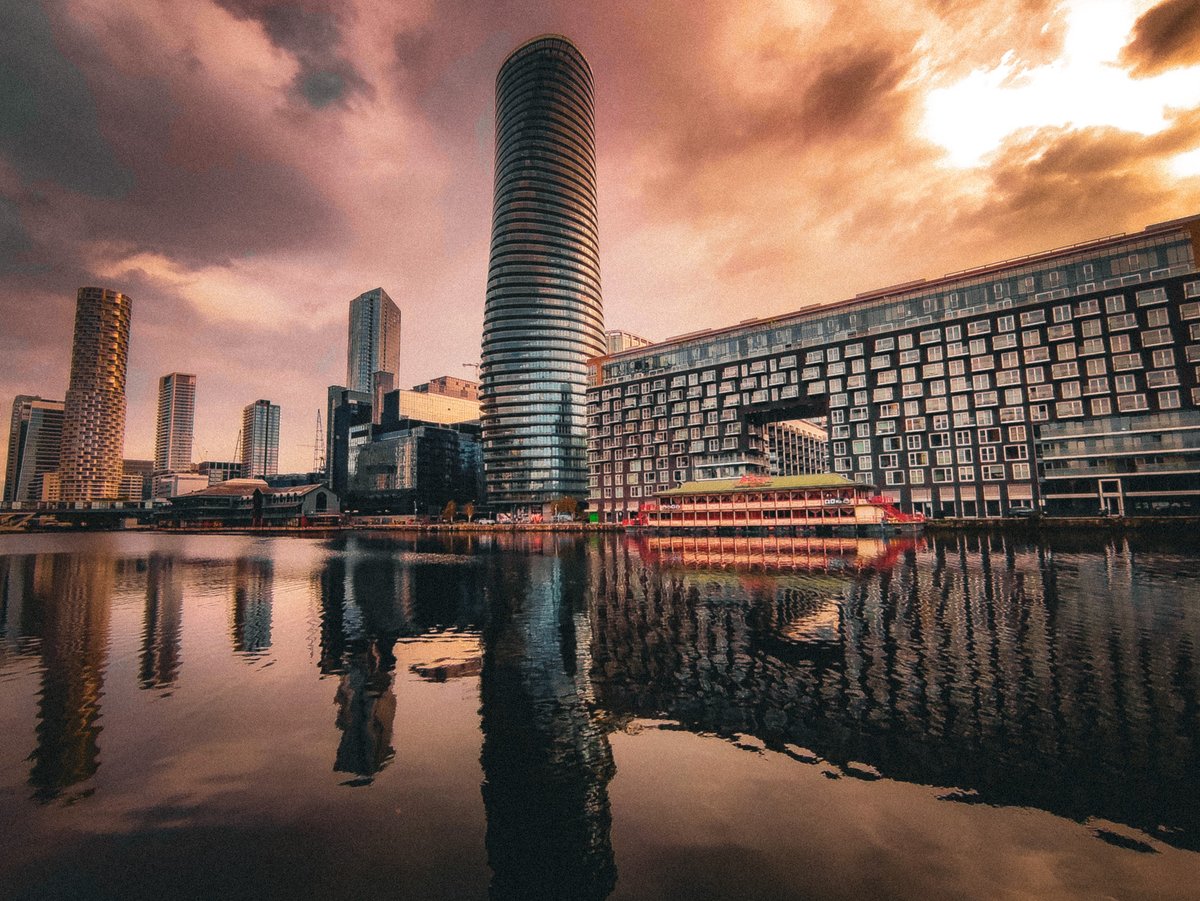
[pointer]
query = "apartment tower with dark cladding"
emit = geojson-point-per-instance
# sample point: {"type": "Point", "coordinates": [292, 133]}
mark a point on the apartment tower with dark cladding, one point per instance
{"type": "Point", "coordinates": [544, 318]}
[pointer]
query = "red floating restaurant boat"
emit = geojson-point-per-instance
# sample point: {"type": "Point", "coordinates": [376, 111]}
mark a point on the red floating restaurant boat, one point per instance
{"type": "Point", "coordinates": [825, 502]}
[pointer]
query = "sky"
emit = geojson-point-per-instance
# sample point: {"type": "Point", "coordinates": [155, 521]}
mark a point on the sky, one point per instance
{"type": "Point", "coordinates": [243, 168]}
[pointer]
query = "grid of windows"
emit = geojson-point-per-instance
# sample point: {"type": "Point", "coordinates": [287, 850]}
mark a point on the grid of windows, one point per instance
{"type": "Point", "coordinates": [972, 391]}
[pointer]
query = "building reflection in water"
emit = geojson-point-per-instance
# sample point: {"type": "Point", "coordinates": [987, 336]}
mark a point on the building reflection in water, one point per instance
{"type": "Point", "coordinates": [162, 625]}
{"type": "Point", "coordinates": [74, 649]}
{"type": "Point", "coordinates": [253, 587]}
{"type": "Point", "coordinates": [963, 665]}
{"type": "Point", "coordinates": [375, 592]}
{"type": "Point", "coordinates": [546, 757]}
{"type": "Point", "coordinates": [359, 628]}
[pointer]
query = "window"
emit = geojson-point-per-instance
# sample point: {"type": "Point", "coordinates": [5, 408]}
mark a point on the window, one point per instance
{"type": "Point", "coordinates": [1114, 304]}
{"type": "Point", "coordinates": [1165, 378]}
{"type": "Point", "coordinates": [1156, 337]}
{"type": "Point", "coordinates": [1131, 403]}
{"type": "Point", "coordinates": [1102, 406]}
{"type": "Point", "coordinates": [1124, 321]}
{"type": "Point", "coordinates": [1151, 295]}
{"type": "Point", "coordinates": [987, 454]}
{"type": "Point", "coordinates": [1020, 472]}
{"type": "Point", "coordinates": [1168, 400]}
{"type": "Point", "coordinates": [1163, 358]}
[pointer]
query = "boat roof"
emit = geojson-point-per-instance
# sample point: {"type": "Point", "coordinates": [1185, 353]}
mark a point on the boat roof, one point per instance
{"type": "Point", "coordinates": [766, 483]}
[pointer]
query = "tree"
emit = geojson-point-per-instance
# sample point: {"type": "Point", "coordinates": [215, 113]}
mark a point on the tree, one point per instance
{"type": "Point", "coordinates": [449, 511]}
{"type": "Point", "coordinates": [565, 504]}
{"type": "Point", "coordinates": [469, 510]}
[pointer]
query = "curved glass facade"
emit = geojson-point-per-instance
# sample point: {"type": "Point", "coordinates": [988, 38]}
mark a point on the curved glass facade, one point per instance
{"type": "Point", "coordinates": [544, 318]}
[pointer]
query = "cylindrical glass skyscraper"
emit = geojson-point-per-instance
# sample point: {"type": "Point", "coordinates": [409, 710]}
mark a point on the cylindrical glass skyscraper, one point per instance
{"type": "Point", "coordinates": [544, 318]}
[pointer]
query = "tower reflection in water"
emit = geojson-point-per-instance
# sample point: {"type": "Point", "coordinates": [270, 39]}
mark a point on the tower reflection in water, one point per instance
{"type": "Point", "coordinates": [74, 593]}
{"type": "Point", "coordinates": [358, 633]}
{"type": "Point", "coordinates": [162, 625]}
{"type": "Point", "coordinates": [250, 625]}
{"type": "Point", "coordinates": [373, 594]}
{"type": "Point", "coordinates": [546, 757]}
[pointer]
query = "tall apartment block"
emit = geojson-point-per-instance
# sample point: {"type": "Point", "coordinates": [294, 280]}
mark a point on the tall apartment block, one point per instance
{"type": "Point", "coordinates": [176, 419]}
{"type": "Point", "coordinates": [93, 435]}
{"type": "Point", "coordinates": [796, 448]}
{"type": "Point", "coordinates": [543, 318]}
{"type": "Point", "coordinates": [374, 340]}
{"type": "Point", "coordinates": [34, 442]}
{"type": "Point", "coordinates": [260, 440]}
{"type": "Point", "coordinates": [1067, 379]}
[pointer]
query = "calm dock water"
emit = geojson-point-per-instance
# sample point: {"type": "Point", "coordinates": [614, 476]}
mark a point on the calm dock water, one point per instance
{"type": "Point", "coordinates": [562, 716]}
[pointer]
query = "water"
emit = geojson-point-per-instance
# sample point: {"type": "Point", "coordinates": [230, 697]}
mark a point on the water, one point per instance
{"type": "Point", "coordinates": [543, 716]}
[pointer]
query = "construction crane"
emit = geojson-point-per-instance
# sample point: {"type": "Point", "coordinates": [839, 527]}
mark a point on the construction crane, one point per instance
{"type": "Point", "coordinates": [318, 446]}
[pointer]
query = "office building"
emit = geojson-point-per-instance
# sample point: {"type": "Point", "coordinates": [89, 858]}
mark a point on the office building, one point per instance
{"type": "Point", "coordinates": [34, 441]}
{"type": "Point", "coordinates": [933, 390]}
{"type": "Point", "coordinates": [260, 439]}
{"type": "Point", "coordinates": [345, 408]}
{"type": "Point", "coordinates": [407, 467]}
{"type": "Point", "coordinates": [430, 407]}
{"type": "Point", "coordinates": [543, 318]}
{"type": "Point", "coordinates": [93, 434]}
{"type": "Point", "coordinates": [175, 484]}
{"type": "Point", "coordinates": [374, 340]}
{"type": "Point", "coordinates": [131, 487]}
{"type": "Point", "coordinates": [795, 448]}
{"type": "Point", "coordinates": [617, 341]}
{"type": "Point", "coordinates": [449, 386]}
{"type": "Point", "coordinates": [219, 471]}
{"type": "Point", "coordinates": [142, 469]}
{"type": "Point", "coordinates": [381, 383]}
{"type": "Point", "coordinates": [176, 418]}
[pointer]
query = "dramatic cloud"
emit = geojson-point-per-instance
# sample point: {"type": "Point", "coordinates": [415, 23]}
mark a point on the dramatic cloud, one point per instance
{"type": "Point", "coordinates": [1165, 37]}
{"type": "Point", "coordinates": [243, 168]}
{"type": "Point", "coordinates": [312, 33]}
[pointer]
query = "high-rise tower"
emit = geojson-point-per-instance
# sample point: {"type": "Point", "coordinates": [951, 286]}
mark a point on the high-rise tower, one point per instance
{"type": "Point", "coordinates": [544, 318]}
{"type": "Point", "coordinates": [93, 435]}
{"type": "Point", "coordinates": [34, 445]}
{"type": "Point", "coordinates": [374, 340]}
{"type": "Point", "coordinates": [176, 419]}
{"type": "Point", "coordinates": [260, 440]}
